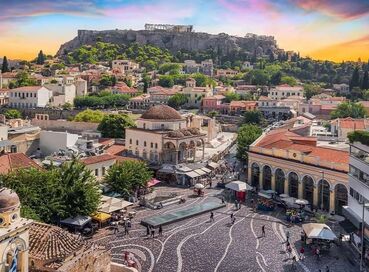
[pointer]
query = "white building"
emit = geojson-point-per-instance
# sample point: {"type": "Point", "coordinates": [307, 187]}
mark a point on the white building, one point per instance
{"type": "Point", "coordinates": [125, 66]}
{"type": "Point", "coordinates": [342, 89]}
{"type": "Point", "coordinates": [29, 97]}
{"type": "Point", "coordinates": [100, 164]}
{"type": "Point", "coordinates": [284, 91]}
{"type": "Point", "coordinates": [81, 87]}
{"type": "Point", "coordinates": [53, 141]}
{"type": "Point", "coordinates": [359, 184]}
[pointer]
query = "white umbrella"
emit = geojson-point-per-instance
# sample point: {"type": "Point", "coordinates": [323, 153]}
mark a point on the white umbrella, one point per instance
{"type": "Point", "coordinates": [289, 200]}
{"type": "Point", "coordinates": [301, 201]}
{"type": "Point", "coordinates": [199, 186]}
{"type": "Point", "coordinates": [318, 231]}
{"type": "Point", "coordinates": [283, 195]}
{"type": "Point", "coordinates": [270, 192]}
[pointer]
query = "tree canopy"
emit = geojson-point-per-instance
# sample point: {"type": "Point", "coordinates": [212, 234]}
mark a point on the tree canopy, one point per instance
{"type": "Point", "coordinates": [253, 117]}
{"type": "Point", "coordinates": [23, 79]}
{"type": "Point", "coordinates": [93, 116]}
{"type": "Point", "coordinates": [5, 65]}
{"type": "Point", "coordinates": [127, 176]}
{"type": "Point", "coordinates": [349, 109]}
{"type": "Point", "coordinates": [57, 193]}
{"type": "Point", "coordinates": [12, 114]}
{"type": "Point", "coordinates": [40, 58]}
{"type": "Point", "coordinates": [114, 125]}
{"type": "Point", "coordinates": [177, 100]}
{"type": "Point", "coordinates": [101, 100]}
{"type": "Point", "coordinates": [247, 134]}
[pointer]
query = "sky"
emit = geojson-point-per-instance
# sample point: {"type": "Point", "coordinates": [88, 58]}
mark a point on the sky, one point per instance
{"type": "Point", "coordinates": [323, 29]}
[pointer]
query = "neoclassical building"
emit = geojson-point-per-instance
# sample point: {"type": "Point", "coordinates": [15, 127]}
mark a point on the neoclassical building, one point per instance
{"type": "Point", "coordinates": [292, 164]}
{"type": "Point", "coordinates": [162, 135]}
{"type": "Point", "coordinates": [14, 233]}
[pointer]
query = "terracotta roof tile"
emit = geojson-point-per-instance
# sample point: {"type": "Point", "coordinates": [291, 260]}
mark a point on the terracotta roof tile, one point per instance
{"type": "Point", "coordinates": [98, 159]}
{"type": "Point", "coordinates": [115, 149]}
{"type": "Point", "coordinates": [12, 161]}
{"type": "Point", "coordinates": [27, 89]}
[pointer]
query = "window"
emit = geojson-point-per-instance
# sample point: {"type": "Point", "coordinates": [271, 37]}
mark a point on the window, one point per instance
{"type": "Point", "coordinates": [136, 142]}
{"type": "Point", "coordinates": [156, 145]}
{"type": "Point", "coordinates": [152, 145]}
{"type": "Point", "coordinates": [145, 143]}
{"type": "Point", "coordinates": [162, 126]}
{"type": "Point", "coordinates": [103, 171]}
{"type": "Point", "coordinates": [130, 141]}
{"type": "Point", "coordinates": [96, 172]}
{"type": "Point", "coordinates": [26, 94]}
{"type": "Point", "coordinates": [144, 125]}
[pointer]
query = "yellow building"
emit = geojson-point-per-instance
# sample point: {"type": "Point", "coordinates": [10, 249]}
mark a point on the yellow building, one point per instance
{"type": "Point", "coordinates": [14, 233]}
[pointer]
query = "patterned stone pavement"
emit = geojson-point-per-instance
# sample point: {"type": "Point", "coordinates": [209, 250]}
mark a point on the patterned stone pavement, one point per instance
{"type": "Point", "coordinates": [198, 245]}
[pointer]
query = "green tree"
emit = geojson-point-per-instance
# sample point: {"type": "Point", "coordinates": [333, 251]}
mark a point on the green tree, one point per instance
{"type": "Point", "coordinates": [355, 78]}
{"type": "Point", "coordinates": [231, 96]}
{"type": "Point", "coordinates": [57, 193]}
{"type": "Point", "coordinates": [40, 58]}
{"type": "Point", "coordinates": [107, 81]}
{"type": "Point", "coordinates": [5, 65]}
{"type": "Point", "coordinates": [114, 125]}
{"type": "Point", "coordinates": [212, 114]}
{"type": "Point", "coordinates": [93, 116]}
{"type": "Point", "coordinates": [276, 78]}
{"type": "Point", "coordinates": [177, 100]}
{"type": "Point", "coordinates": [23, 79]}
{"type": "Point", "coordinates": [311, 89]}
{"type": "Point", "coordinates": [349, 109]}
{"type": "Point", "coordinates": [12, 114]}
{"type": "Point", "coordinates": [247, 134]}
{"type": "Point", "coordinates": [365, 81]}
{"type": "Point", "coordinates": [289, 80]}
{"type": "Point", "coordinates": [67, 106]}
{"type": "Point", "coordinates": [128, 176]}
{"type": "Point", "coordinates": [253, 117]}
{"type": "Point", "coordinates": [166, 81]}
{"type": "Point", "coordinates": [171, 68]}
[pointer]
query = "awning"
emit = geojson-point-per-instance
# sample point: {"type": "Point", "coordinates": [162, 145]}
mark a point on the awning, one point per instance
{"type": "Point", "coordinates": [77, 221]}
{"type": "Point", "coordinates": [318, 231]}
{"type": "Point", "coordinates": [101, 216]}
{"type": "Point", "coordinates": [207, 170]}
{"type": "Point", "coordinates": [112, 204]}
{"type": "Point", "coordinates": [238, 186]}
{"type": "Point", "coordinates": [351, 216]}
{"type": "Point", "coordinates": [152, 182]}
{"type": "Point", "coordinates": [192, 174]}
{"type": "Point", "coordinates": [264, 195]}
{"type": "Point", "coordinates": [200, 172]}
{"type": "Point", "coordinates": [213, 165]}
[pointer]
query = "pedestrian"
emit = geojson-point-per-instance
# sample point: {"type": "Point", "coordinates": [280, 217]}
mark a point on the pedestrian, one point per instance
{"type": "Point", "coordinates": [211, 217]}
{"type": "Point", "coordinates": [317, 252]}
{"type": "Point", "coordinates": [302, 251]}
{"type": "Point", "coordinates": [233, 220]}
{"type": "Point", "coordinates": [327, 268]}
{"type": "Point", "coordinates": [152, 233]}
{"type": "Point", "coordinates": [160, 231]}
{"type": "Point", "coordinates": [210, 184]}
{"type": "Point", "coordinates": [223, 200]}
{"type": "Point", "coordinates": [126, 232]}
{"type": "Point", "coordinates": [116, 229]}
{"type": "Point", "coordinates": [287, 236]}
{"type": "Point", "coordinates": [302, 235]}
{"type": "Point", "coordinates": [231, 217]}
{"type": "Point", "coordinates": [289, 249]}
{"type": "Point", "coordinates": [147, 231]}
{"type": "Point", "coordinates": [263, 231]}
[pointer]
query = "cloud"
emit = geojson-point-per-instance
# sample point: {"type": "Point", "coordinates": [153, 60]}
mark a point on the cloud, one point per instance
{"type": "Point", "coordinates": [11, 11]}
{"type": "Point", "coordinates": [342, 9]}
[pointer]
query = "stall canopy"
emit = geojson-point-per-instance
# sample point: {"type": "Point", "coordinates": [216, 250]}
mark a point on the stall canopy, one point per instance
{"type": "Point", "coordinates": [112, 204]}
{"type": "Point", "coordinates": [213, 165]}
{"type": "Point", "coordinates": [101, 216]}
{"type": "Point", "coordinates": [318, 231]}
{"type": "Point", "coordinates": [78, 221]}
{"type": "Point", "coordinates": [238, 186]}
{"type": "Point", "coordinates": [152, 182]}
{"type": "Point", "coordinates": [200, 172]}
{"type": "Point", "coordinates": [264, 195]}
{"type": "Point", "coordinates": [192, 174]}
{"type": "Point", "coordinates": [206, 170]}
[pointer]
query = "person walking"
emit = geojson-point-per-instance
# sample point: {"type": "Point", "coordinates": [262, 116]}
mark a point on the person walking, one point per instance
{"type": "Point", "coordinates": [263, 231]}
{"type": "Point", "coordinates": [147, 230]}
{"type": "Point", "coordinates": [126, 232]}
{"type": "Point", "coordinates": [287, 237]}
{"type": "Point", "coordinates": [233, 220]}
{"type": "Point", "coordinates": [160, 231]}
{"type": "Point", "coordinates": [302, 251]}
{"type": "Point", "coordinates": [152, 233]}
{"type": "Point", "coordinates": [232, 217]}
{"type": "Point", "coordinates": [317, 252]}
{"type": "Point", "coordinates": [211, 217]}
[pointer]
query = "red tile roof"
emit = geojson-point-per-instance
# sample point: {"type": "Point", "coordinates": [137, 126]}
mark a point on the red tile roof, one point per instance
{"type": "Point", "coordinates": [285, 139]}
{"type": "Point", "coordinates": [353, 123]}
{"type": "Point", "coordinates": [115, 149]}
{"type": "Point", "coordinates": [98, 159]}
{"type": "Point", "coordinates": [242, 104]}
{"type": "Point", "coordinates": [13, 161]}
{"type": "Point", "coordinates": [26, 89]}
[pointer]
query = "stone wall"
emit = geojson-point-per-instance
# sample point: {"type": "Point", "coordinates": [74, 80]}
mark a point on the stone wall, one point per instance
{"type": "Point", "coordinates": [62, 125]}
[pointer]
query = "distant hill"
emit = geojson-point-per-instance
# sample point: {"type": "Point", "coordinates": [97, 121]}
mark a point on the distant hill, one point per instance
{"type": "Point", "coordinates": [221, 44]}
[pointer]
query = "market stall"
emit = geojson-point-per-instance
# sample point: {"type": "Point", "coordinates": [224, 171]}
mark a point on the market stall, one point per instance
{"type": "Point", "coordinates": [265, 202]}
{"type": "Point", "coordinates": [112, 204]}
{"type": "Point", "coordinates": [101, 218]}
{"type": "Point", "coordinates": [240, 189]}
{"type": "Point", "coordinates": [199, 189]}
{"type": "Point", "coordinates": [318, 235]}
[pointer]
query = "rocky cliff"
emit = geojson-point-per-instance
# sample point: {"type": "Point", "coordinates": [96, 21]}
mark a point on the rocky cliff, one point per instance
{"type": "Point", "coordinates": [174, 41]}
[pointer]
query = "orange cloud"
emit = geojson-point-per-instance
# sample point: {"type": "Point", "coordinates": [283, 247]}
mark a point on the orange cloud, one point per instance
{"type": "Point", "coordinates": [351, 50]}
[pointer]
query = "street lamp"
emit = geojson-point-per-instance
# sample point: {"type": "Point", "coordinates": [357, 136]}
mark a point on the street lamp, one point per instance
{"type": "Point", "coordinates": [365, 205]}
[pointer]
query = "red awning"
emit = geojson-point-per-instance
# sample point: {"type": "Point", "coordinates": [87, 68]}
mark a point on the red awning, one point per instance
{"type": "Point", "coordinates": [153, 182]}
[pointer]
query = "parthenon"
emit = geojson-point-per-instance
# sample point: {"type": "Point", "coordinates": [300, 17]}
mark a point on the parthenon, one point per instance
{"type": "Point", "coordinates": [166, 27]}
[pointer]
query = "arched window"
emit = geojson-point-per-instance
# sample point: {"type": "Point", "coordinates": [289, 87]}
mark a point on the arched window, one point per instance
{"type": "Point", "coordinates": [144, 143]}
{"type": "Point", "coordinates": [130, 141]}
{"type": "Point", "coordinates": [136, 142]}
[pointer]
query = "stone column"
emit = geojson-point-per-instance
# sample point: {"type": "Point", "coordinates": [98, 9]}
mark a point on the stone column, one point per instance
{"type": "Point", "coordinates": [249, 172]}
{"type": "Point", "coordinates": [332, 201]}
{"type": "Point", "coordinates": [261, 180]}
{"type": "Point", "coordinates": [176, 154]}
{"type": "Point", "coordinates": [286, 186]}
{"type": "Point", "coordinates": [300, 195]}
{"type": "Point", "coordinates": [273, 182]}
{"type": "Point", "coordinates": [315, 196]}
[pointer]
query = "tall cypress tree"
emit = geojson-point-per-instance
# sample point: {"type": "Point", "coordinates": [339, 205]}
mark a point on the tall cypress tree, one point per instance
{"type": "Point", "coordinates": [365, 81]}
{"type": "Point", "coordinates": [5, 65]}
{"type": "Point", "coordinates": [40, 58]}
{"type": "Point", "coordinates": [355, 79]}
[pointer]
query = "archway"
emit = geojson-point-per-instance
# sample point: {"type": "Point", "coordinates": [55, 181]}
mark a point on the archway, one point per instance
{"type": "Point", "coordinates": [308, 189]}
{"type": "Point", "coordinates": [267, 177]}
{"type": "Point", "coordinates": [341, 197]}
{"type": "Point", "coordinates": [169, 152]}
{"type": "Point", "coordinates": [182, 153]}
{"type": "Point", "coordinates": [293, 185]}
{"type": "Point", "coordinates": [255, 174]}
{"type": "Point", "coordinates": [279, 181]}
{"type": "Point", "coordinates": [323, 195]}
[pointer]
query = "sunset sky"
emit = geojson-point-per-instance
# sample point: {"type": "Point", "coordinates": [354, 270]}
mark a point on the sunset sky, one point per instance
{"type": "Point", "coordinates": [324, 29]}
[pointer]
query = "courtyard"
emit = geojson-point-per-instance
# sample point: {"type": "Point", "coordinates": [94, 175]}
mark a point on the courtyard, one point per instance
{"type": "Point", "coordinates": [199, 244]}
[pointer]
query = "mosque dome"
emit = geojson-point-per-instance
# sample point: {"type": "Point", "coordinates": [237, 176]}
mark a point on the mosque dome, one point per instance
{"type": "Point", "coordinates": [161, 112]}
{"type": "Point", "coordinates": [9, 200]}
